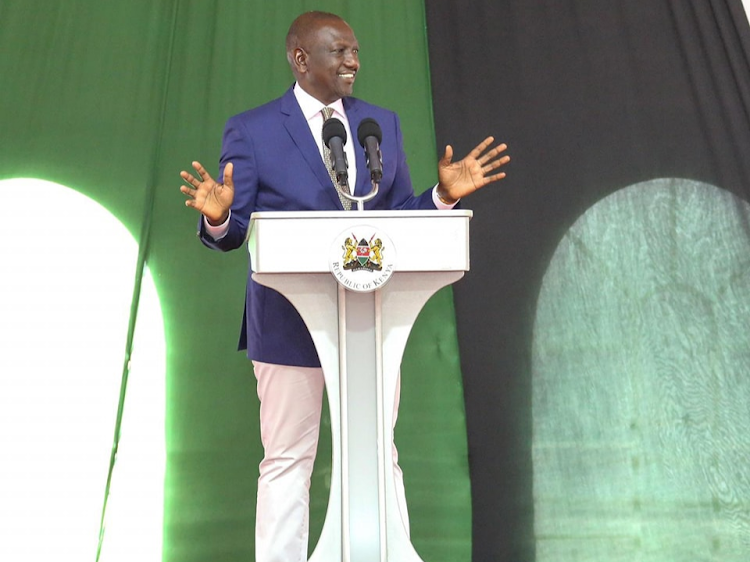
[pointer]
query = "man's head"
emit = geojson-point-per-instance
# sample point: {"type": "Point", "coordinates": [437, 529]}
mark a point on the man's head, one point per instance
{"type": "Point", "coordinates": [324, 55]}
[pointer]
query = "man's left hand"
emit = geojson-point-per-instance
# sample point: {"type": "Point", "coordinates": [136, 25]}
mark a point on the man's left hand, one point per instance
{"type": "Point", "coordinates": [462, 178]}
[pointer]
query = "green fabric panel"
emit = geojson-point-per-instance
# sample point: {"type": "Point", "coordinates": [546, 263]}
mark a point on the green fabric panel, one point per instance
{"type": "Point", "coordinates": [82, 90]}
{"type": "Point", "coordinates": [114, 99]}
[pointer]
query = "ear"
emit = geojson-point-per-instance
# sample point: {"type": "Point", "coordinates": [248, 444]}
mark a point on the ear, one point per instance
{"type": "Point", "coordinates": [299, 60]}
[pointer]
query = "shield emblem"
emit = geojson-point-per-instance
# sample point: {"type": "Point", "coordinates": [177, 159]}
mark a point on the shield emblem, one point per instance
{"type": "Point", "coordinates": [363, 252]}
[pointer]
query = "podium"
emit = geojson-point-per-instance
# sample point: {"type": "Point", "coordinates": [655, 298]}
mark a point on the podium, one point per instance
{"type": "Point", "coordinates": [359, 280]}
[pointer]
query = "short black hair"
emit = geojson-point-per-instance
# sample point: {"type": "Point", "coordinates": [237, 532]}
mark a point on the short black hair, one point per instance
{"type": "Point", "coordinates": [302, 25]}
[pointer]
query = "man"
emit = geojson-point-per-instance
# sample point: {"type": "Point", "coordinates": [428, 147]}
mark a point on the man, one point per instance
{"type": "Point", "coordinates": [272, 160]}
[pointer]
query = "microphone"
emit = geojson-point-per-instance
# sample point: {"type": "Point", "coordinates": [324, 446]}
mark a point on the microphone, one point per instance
{"type": "Point", "coordinates": [334, 136]}
{"type": "Point", "coordinates": [370, 135]}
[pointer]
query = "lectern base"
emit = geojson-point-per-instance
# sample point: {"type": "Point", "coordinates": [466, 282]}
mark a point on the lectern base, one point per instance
{"type": "Point", "coordinates": [363, 521]}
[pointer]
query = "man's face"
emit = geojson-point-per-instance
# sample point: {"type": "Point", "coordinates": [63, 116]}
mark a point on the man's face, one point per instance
{"type": "Point", "coordinates": [329, 61]}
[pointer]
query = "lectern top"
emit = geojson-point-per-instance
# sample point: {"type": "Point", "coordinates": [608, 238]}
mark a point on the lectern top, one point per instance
{"type": "Point", "coordinates": [360, 214]}
{"type": "Point", "coordinates": [311, 241]}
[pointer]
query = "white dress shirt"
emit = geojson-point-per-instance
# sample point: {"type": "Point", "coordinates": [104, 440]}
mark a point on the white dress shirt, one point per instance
{"type": "Point", "coordinates": [311, 108]}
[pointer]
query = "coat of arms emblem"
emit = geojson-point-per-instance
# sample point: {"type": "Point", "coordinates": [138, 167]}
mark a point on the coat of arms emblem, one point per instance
{"type": "Point", "coordinates": [362, 259]}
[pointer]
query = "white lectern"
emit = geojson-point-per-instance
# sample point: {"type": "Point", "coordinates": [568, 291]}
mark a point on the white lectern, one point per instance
{"type": "Point", "coordinates": [359, 280]}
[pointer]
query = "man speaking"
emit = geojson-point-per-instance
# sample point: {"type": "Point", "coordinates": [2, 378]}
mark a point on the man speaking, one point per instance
{"type": "Point", "coordinates": [274, 159]}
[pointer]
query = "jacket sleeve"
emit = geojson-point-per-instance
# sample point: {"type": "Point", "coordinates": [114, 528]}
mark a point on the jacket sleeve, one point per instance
{"type": "Point", "coordinates": [401, 195]}
{"type": "Point", "coordinates": [237, 148]}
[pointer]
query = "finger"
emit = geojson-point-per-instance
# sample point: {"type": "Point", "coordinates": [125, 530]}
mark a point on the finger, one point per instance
{"type": "Point", "coordinates": [228, 174]}
{"type": "Point", "coordinates": [187, 190]}
{"type": "Point", "coordinates": [189, 178]}
{"type": "Point", "coordinates": [493, 153]}
{"type": "Point", "coordinates": [495, 164]}
{"type": "Point", "coordinates": [481, 147]}
{"type": "Point", "coordinates": [205, 176]}
{"type": "Point", "coordinates": [492, 178]}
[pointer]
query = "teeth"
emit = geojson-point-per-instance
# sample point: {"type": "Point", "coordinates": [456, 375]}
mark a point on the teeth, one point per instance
{"type": "Point", "coordinates": [351, 75]}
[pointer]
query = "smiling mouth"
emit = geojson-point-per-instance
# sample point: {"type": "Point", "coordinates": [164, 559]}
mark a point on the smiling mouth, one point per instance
{"type": "Point", "coordinates": [347, 75]}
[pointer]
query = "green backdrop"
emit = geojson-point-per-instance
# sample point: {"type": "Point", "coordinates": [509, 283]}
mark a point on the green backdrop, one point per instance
{"type": "Point", "coordinates": [113, 99]}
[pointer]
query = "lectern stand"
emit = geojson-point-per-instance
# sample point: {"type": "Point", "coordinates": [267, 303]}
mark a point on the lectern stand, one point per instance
{"type": "Point", "coordinates": [359, 280]}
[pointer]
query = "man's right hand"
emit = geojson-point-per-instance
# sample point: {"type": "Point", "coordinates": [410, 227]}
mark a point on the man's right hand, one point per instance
{"type": "Point", "coordinates": [208, 197]}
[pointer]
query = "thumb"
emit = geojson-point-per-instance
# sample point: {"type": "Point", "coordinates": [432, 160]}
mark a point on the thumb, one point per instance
{"type": "Point", "coordinates": [447, 156]}
{"type": "Point", "coordinates": [228, 172]}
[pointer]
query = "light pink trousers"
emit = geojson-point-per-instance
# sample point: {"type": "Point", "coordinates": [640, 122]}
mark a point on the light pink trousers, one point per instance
{"type": "Point", "coordinates": [291, 400]}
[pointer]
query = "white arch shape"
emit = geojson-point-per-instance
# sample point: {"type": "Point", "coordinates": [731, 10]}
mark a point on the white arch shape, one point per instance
{"type": "Point", "coordinates": [65, 294]}
{"type": "Point", "coordinates": [641, 380]}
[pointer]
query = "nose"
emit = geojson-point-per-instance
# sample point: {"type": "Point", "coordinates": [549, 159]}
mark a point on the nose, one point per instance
{"type": "Point", "coordinates": [352, 59]}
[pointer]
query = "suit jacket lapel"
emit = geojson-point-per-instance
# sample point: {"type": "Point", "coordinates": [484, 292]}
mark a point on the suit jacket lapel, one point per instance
{"type": "Point", "coordinates": [297, 127]}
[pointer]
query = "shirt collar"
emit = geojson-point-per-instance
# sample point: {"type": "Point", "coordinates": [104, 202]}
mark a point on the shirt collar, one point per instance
{"type": "Point", "coordinates": [311, 107]}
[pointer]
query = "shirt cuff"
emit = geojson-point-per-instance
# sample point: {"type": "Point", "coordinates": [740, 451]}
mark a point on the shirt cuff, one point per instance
{"type": "Point", "coordinates": [217, 232]}
{"type": "Point", "coordinates": [438, 202]}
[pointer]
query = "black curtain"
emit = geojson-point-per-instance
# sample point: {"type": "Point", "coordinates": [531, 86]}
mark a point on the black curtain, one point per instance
{"type": "Point", "coordinates": [591, 96]}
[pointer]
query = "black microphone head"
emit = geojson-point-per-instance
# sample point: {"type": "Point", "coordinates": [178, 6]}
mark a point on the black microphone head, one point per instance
{"type": "Point", "coordinates": [333, 128]}
{"type": "Point", "coordinates": [369, 128]}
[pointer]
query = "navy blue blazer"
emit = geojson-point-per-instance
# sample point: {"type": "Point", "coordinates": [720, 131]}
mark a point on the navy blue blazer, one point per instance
{"type": "Point", "coordinates": [277, 167]}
